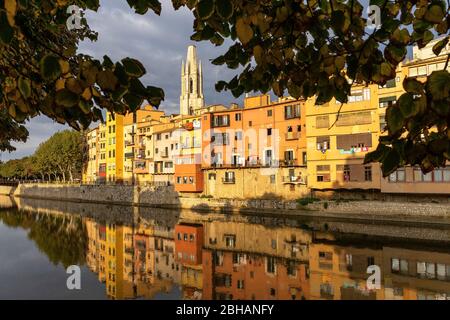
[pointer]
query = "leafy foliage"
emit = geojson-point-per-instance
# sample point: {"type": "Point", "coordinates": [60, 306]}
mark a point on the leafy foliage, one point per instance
{"type": "Point", "coordinates": [307, 48]}
{"type": "Point", "coordinates": [62, 239]}
{"type": "Point", "coordinates": [61, 156]}
{"type": "Point", "coordinates": [40, 72]}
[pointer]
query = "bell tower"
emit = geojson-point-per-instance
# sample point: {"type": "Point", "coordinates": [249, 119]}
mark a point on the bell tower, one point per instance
{"type": "Point", "coordinates": [191, 98]}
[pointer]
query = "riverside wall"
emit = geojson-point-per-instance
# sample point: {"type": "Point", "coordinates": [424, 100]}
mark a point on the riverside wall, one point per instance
{"type": "Point", "coordinates": [167, 197]}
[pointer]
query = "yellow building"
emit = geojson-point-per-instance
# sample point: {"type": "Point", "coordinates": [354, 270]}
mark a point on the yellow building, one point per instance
{"type": "Point", "coordinates": [114, 147]}
{"type": "Point", "coordinates": [337, 145]}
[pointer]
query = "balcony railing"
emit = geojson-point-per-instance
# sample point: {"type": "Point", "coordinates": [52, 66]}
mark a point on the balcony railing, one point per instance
{"type": "Point", "coordinates": [288, 162]}
{"type": "Point", "coordinates": [129, 143]}
{"type": "Point", "coordinates": [164, 154]}
{"type": "Point", "coordinates": [292, 135]}
{"type": "Point", "coordinates": [294, 179]}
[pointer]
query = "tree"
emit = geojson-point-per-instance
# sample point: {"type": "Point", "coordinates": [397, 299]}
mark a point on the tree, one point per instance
{"type": "Point", "coordinates": [304, 47]}
{"type": "Point", "coordinates": [60, 156]}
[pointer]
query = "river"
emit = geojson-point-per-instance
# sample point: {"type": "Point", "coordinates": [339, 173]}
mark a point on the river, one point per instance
{"type": "Point", "coordinates": [147, 253]}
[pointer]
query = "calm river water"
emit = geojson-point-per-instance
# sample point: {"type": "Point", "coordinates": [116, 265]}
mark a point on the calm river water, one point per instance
{"type": "Point", "coordinates": [146, 253]}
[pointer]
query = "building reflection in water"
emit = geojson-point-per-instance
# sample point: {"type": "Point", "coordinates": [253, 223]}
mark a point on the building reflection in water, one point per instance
{"type": "Point", "coordinates": [146, 253]}
{"type": "Point", "coordinates": [241, 260]}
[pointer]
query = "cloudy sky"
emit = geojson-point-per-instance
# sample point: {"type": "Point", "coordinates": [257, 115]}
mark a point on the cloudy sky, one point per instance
{"type": "Point", "coordinates": [159, 42]}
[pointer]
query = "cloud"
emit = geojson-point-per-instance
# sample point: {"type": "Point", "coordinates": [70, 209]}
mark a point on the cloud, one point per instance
{"type": "Point", "coordinates": [159, 42]}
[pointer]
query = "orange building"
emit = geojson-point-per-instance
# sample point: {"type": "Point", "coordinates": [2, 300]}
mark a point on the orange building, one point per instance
{"type": "Point", "coordinates": [188, 243]}
{"type": "Point", "coordinates": [188, 175]}
{"type": "Point", "coordinates": [231, 275]}
{"type": "Point", "coordinates": [256, 151]}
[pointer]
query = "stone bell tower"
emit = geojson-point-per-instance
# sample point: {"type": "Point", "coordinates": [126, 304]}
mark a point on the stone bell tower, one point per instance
{"type": "Point", "coordinates": [191, 98]}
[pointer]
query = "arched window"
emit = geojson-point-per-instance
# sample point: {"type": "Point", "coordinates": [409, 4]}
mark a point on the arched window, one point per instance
{"type": "Point", "coordinates": [191, 86]}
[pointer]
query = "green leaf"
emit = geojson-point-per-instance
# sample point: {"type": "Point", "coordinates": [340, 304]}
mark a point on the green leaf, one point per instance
{"type": "Point", "coordinates": [434, 14]}
{"type": "Point", "coordinates": [437, 48]}
{"type": "Point", "coordinates": [205, 9]}
{"type": "Point", "coordinates": [407, 105]}
{"type": "Point", "coordinates": [412, 85]}
{"type": "Point", "coordinates": [24, 87]}
{"type": "Point", "coordinates": [66, 98]}
{"type": "Point", "coordinates": [244, 31]}
{"type": "Point", "coordinates": [394, 118]}
{"type": "Point", "coordinates": [401, 37]}
{"type": "Point", "coordinates": [377, 155]}
{"type": "Point", "coordinates": [439, 84]}
{"type": "Point", "coordinates": [390, 163]}
{"type": "Point", "coordinates": [50, 67]}
{"type": "Point", "coordinates": [394, 53]}
{"type": "Point", "coordinates": [6, 31]}
{"type": "Point", "coordinates": [107, 80]}
{"type": "Point", "coordinates": [224, 9]}
{"type": "Point", "coordinates": [133, 67]}
{"type": "Point", "coordinates": [133, 101]}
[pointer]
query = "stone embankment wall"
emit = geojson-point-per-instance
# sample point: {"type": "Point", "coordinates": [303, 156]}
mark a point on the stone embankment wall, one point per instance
{"type": "Point", "coordinates": [167, 197]}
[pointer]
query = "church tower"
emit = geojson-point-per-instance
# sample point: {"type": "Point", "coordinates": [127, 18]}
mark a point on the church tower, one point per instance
{"type": "Point", "coordinates": [191, 98]}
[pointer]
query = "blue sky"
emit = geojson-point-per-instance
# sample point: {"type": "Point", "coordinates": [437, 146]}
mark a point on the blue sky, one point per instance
{"type": "Point", "coordinates": [159, 42]}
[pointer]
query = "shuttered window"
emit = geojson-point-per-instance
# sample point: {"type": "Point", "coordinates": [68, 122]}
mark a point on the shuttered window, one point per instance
{"type": "Point", "coordinates": [355, 118]}
{"type": "Point", "coordinates": [322, 122]}
{"type": "Point", "coordinates": [349, 141]}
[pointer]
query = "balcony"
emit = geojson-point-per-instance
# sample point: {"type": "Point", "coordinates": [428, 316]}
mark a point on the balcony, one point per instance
{"type": "Point", "coordinates": [129, 143]}
{"type": "Point", "coordinates": [164, 154]}
{"type": "Point", "coordinates": [228, 180]}
{"type": "Point", "coordinates": [292, 135]}
{"type": "Point", "coordinates": [294, 180]}
{"type": "Point", "coordinates": [140, 155]}
{"type": "Point", "coordinates": [288, 162]}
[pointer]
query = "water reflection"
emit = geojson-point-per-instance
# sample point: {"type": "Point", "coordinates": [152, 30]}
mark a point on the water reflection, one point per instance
{"type": "Point", "coordinates": [154, 253]}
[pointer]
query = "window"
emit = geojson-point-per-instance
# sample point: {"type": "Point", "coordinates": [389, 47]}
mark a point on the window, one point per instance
{"type": "Point", "coordinates": [383, 123]}
{"type": "Point", "coordinates": [359, 141]}
{"type": "Point", "coordinates": [250, 123]}
{"type": "Point", "coordinates": [269, 131]}
{"type": "Point", "coordinates": [272, 179]}
{"type": "Point", "coordinates": [370, 261]}
{"type": "Point", "coordinates": [269, 112]}
{"type": "Point", "coordinates": [229, 177]}
{"type": "Point", "coordinates": [438, 175]}
{"type": "Point", "coordinates": [367, 173]}
{"type": "Point", "coordinates": [271, 265]}
{"type": "Point", "coordinates": [397, 176]}
{"type": "Point", "coordinates": [359, 95]}
{"type": "Point", "coordinates": [387, 101]}
{"type": "Point", "coordinates": [220, 121]}
{"type": "Point", "coordinates": [191, 237]}
{"type": "Point", "coordinates": [291, 268]}
{"type": "Point", "coordinates": [238, 116]}
{"type": "Point", "coordinates": [323, 173]}
{"type": "Point", "coordinates": [238, 136]}
{"type": "Point", "coordinates": [230, 240]}
{"type": "Point", "coordinates": [322, 122]}
{"type": "Point", "coordinates": [354, 118]}
{"type": "Point", "coordinates": [292, 111]}
{"type": "Point", "coordinates": [289, 155]}
{"type": "Point", "coordinates": [240, 284]}
{"type": "Point", "coordinates": [323, 143]}
{"type": "Point", "coordinates": [389, 84]}
{"type": "Point", "coordinates": [273, 244]}
{"type": "Point", "coordinates": [323, 255]}
{"type": "Point", "coordinates": [185, 237]}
